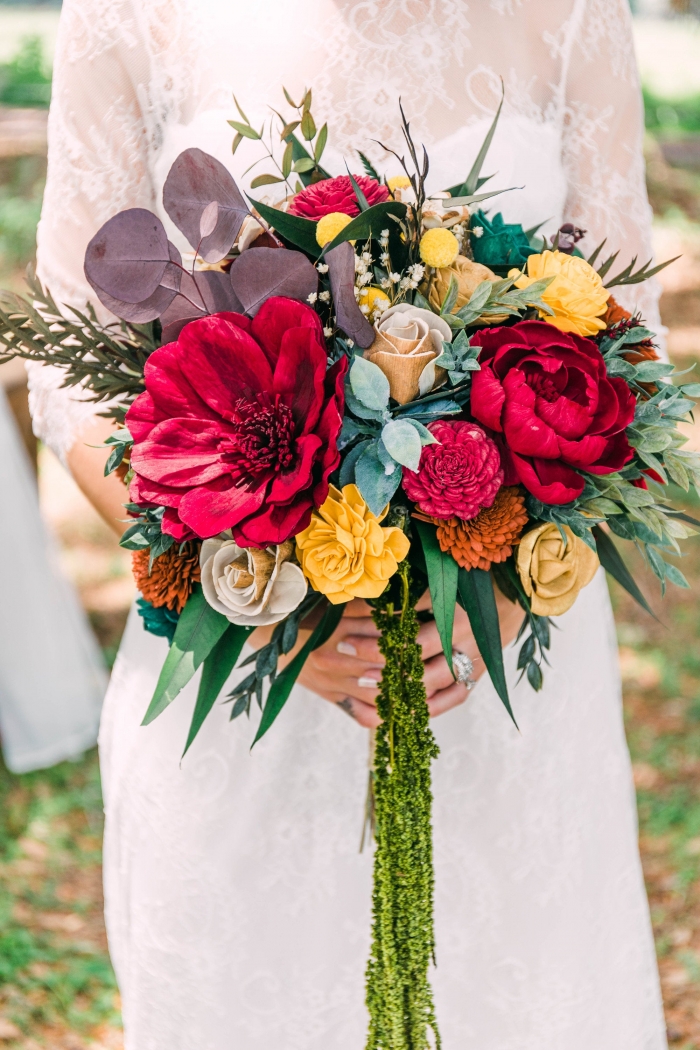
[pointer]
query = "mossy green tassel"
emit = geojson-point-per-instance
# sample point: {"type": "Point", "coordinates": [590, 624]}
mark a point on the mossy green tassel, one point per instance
{"type": "Point", "coordinates": [399, 996]}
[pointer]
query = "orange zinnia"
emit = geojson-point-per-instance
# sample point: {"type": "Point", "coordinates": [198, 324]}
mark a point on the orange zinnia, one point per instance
{"type": "Point", "coordinates": [490, 536]}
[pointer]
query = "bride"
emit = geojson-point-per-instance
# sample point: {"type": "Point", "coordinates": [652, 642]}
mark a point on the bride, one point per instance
{"type": "Point", "coordinates": [237, 900]}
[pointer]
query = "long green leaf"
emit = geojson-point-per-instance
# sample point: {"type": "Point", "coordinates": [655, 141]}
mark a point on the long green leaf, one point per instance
{"type": "Point", "coordinates": [294, 228]}
{"type": "Point", "coordinates": [368, 223]}
{"type": "Point", "coordinates": [197, 632]}
{"type": "Point", "coordinates": [282, 685]}
{"type": "Point", "coordinates": [472, 179]}
{"type": "Point", "coordinates": [216, 669]}
{"type": "Point", "coordinates": [443, 572]}
{"type": "Point", "coordinates": [612, 562]}
{"type": "Point", "coordinates": [475, 590]}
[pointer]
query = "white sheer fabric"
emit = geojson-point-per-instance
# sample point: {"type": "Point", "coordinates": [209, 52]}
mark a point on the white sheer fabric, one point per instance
{"type": "Point", "coordinates": [237, 903]}
{"type": "Point", "coordinates": [52, 677]}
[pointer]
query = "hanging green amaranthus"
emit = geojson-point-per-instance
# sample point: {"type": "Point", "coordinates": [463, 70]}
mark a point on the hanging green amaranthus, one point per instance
{"type": "Point", "coordinates": [399, 996]}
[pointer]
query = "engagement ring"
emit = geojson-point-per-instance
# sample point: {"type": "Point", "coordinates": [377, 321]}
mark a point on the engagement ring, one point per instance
{"type": "Point", "coordinates": [464, 669]}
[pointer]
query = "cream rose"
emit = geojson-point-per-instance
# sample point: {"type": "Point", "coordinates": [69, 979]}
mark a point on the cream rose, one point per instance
{"type": "Point", "coordinates": [249, 586]}
{"type": "Point", "coordinates": [407, 342]}
{"type": "Point", "coordinates": [552, 571]}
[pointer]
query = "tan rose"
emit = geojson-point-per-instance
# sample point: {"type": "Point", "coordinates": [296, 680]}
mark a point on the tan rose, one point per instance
{"type": "Point", "coordinates": [407, 342]}
{"type": "Point", "coordinates": [469, 276]}
{"type": "Point", "coordinates": [249, 586]}
{"type": "Point", "coordinates": [552, 572]}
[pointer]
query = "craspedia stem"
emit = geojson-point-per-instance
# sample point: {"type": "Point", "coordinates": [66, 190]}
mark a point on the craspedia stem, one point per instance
{"type": "Point", "coordinates": [399, 996]}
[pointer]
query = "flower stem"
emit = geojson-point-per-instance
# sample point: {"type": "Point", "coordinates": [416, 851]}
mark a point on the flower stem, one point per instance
{"type": "Point", "coordinates": [399, 997]}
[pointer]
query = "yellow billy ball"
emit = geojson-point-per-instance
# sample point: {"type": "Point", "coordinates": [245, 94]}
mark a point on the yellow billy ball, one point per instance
{"type": "Point", "coordinates": [328, 228]}
{"type": "Point", "coordinates": [439, 248]}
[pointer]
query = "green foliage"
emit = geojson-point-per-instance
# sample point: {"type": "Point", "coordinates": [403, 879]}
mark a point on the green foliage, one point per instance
{"type": "Point", "coordinates": [399, 996]}
{"type": "Point", "coordinates": [671, 115]}
{"type": "Point", "coordinates": [25, 79]}
{"type": "Point", "coordinates": [476, 596]}
{"type": "Point", "coordinates": [215, 670]}
{"type": "Point", "coordinates": [107, 360]}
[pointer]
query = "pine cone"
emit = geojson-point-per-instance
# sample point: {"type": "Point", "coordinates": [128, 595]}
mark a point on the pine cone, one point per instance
{"type": "Point", "coordinates": [487, 538]}
{"type": "Point", "coordinates": [172, 577]}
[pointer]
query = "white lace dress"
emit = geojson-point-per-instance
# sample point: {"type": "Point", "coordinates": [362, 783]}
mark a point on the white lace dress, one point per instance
{"type": "Point", "coordinates": [238, 905]}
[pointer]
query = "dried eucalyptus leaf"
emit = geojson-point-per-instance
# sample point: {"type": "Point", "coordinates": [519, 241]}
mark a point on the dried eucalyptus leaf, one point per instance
{"type": "Point", "coordinates": [260, 273]}
{"type": "Point", "coordinates": [127, 256]}
{"type": "Point", "coordinates": [349, 317]}
{"type": "Point", "coordinates": [194, 182]}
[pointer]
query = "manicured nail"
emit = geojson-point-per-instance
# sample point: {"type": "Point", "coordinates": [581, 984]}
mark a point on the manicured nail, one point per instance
{"type": "Point", "coordinates": [367, 683]}
{"type": "Point", "coordinates": [346, 649]}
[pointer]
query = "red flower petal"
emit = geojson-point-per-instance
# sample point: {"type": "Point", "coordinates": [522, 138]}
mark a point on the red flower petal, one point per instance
{"type": "Point", "coordinates": [181, 453]}
{"type": "Point", "coordinates": [275, 317]}
{"type": "Point", "coordinates": [548, 480]}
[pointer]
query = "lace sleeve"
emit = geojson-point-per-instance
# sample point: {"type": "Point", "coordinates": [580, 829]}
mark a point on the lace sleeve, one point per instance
{"type": "Point", "coordinates": [602, 141]}
{"type": "Point", "coordinates": [98, 151]}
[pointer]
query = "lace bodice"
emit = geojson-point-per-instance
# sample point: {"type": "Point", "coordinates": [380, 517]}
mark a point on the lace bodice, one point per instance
{"type": "Point", "coordinates": [137, 81]}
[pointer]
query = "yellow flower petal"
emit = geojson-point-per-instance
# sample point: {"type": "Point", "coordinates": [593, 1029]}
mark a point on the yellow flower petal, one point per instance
{"type": "Point", "coordinates": [576, 295]}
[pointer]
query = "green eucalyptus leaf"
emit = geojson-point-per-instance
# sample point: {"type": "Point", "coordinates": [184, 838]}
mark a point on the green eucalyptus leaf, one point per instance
{"type": "Point", "coordinates": [375, 485]}
{"type": "Point", "coordinates": [402, 441]}
{"type": "Point", "coordinates": [369, 384]}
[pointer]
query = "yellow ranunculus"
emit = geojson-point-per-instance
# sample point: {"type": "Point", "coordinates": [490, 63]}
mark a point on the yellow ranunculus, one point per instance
{"type": "Point", "coordinates": [328, 228]}
{"type": "Point", "coordinates": [438, 248]}
{"type": "Point", "coordinates": [399, 182]}
{"type": "Point", "coordinates": [552, 572]}
{"type": "Point", "coordinates": [576, 294]}
{"type": "Point", "coordinates": [345, 552]}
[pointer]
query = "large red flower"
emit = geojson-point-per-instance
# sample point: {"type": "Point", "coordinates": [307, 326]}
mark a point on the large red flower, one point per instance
{"type": "Point", "coordinates": [548, 393]}
{"type": "Point", "coordinates": [322, 198]}
{"type": "Point", "coordinates": [238, 426]}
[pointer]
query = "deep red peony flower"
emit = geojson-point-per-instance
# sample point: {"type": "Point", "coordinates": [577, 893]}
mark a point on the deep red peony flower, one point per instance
{"type": "Point", "coordinates": [238, 426]}
{"type": "Point", "coordinates": [457, 477]}
{"type": "Point", "coordinates": [548, 393]}
{"type": "Point", "coordinates": [321, 198]}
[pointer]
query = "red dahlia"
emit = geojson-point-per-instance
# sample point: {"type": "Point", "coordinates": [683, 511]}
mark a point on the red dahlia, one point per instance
{"type": "Point", "coordinates": [459, 475]}
{"type": "Point", "coordinates": [337, 194]}
{"type": "Point", "coordinates": [238, 426]}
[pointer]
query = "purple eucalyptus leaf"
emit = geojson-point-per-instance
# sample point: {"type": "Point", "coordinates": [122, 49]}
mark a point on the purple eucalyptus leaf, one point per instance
{"type": "Point", "coordinates": [127, 257]}
{"type": "Point", "coordinates": [260, 273]}
{"type": "Point", "coordinates": [156, 304]}
{"type": "Point", "coordinates": [349, 317]}
{"type": "Point", "coordinates": [209, 219]}
{"type": "Point", "coordinates": [195, 182]}
{"type": "Point", "coordinates": [209, 292]}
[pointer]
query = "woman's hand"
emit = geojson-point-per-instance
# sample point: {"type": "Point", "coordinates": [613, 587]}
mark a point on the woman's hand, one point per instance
{"type": "Point", "coordinates": [347, 669]}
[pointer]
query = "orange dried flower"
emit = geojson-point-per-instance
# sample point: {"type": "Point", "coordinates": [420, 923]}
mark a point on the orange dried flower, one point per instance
{"type": "Point", "coordinates": [172, 577]}
{"type": "Point", "coordinates": [615, 313]}
{"type": "Point", "coordinates": [490, 536]}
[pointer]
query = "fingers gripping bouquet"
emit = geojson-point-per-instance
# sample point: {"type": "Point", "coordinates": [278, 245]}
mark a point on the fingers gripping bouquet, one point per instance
{"type": "Point", "coordinates": [362, 392]}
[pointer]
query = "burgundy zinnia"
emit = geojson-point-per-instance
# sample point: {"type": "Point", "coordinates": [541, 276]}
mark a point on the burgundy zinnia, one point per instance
{"type": "Point", "coordinates": [329, 195]}
{"type": "Point", "coordinates": [458, 476]}
{"type": "Point", "coordinates": [549, 395]}
{"type": "Point", "coordinates": [238, 426]}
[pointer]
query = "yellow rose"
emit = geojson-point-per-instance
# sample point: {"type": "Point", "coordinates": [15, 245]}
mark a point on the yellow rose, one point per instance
{"type": "Point", "coordinates": [469, 275]}
{"type": "Point", "coordinates": [345, 552]}
{"type": "Point", "coordinates": [551, 572]}
{"type": "Point", "coordinates": [576, 294]}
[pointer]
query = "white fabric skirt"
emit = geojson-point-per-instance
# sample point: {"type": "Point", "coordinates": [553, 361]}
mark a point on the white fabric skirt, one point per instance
{"type": "Point", "coordinates": [238, 903]}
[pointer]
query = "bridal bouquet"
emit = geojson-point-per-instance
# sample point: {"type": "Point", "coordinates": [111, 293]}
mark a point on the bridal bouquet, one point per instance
{"type": "Point", "coordinates": [357, 390]}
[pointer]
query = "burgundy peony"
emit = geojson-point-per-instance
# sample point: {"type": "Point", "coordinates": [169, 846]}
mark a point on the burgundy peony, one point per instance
{"type": "Point", "coordinates": [547, 392]}
{"type": "Point", "coordinates": [322, 198]}
{"type": "Point", "coordinates": [457, 477]}
{"type": "Point", "coordinates": [238, 426]}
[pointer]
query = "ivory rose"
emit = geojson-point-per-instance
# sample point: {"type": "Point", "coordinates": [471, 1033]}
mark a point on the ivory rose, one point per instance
{"type": "Point", "coordinates": [345, 552]}
{"type": "Point", "coordinates": [249, 586]}
{"type": "Point", "coordinates": [553, 572]}
{"type": "Point", "coordinates": [407, 342]}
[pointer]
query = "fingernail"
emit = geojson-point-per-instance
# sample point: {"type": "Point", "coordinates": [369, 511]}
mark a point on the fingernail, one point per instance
{"type": "Point", "coordinates": [367, 683]}
{"type": "Point", "coordinates": [346, 648]}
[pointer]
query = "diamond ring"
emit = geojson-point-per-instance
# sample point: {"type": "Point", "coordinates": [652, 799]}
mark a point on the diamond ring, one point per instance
{"type": "Point", "coordinates": [464, 669]}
